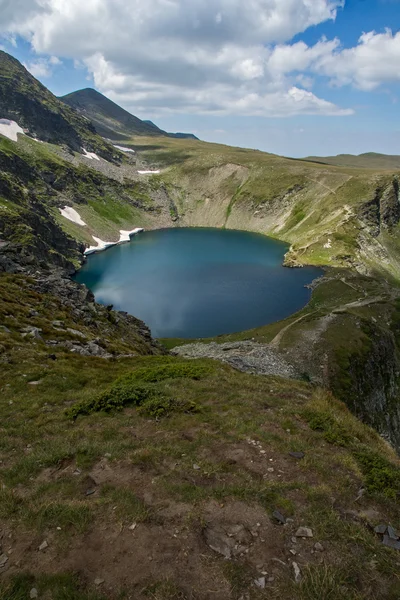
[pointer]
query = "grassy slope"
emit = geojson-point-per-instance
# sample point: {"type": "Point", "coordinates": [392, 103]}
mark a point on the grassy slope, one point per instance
{"type": "Point", "coordinates": [81, 485]}
{"type": "Point", "coordinates": [308, 205]}
{"type": "Point", "coordinates": [369, 160]}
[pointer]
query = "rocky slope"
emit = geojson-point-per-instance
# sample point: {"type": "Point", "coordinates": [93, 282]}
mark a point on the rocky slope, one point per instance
{"type": "Point", "coordinates": [25, 100]}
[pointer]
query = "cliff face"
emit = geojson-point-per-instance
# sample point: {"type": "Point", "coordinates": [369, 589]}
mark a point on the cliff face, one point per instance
{"type": "Point", "coordinates": [366, 376]}
{"type": "Point", "coordinates": [383, 211]}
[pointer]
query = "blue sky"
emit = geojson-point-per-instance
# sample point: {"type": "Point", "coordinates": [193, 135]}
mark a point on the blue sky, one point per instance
{"type": "Point", "coordinates": [292, 77]}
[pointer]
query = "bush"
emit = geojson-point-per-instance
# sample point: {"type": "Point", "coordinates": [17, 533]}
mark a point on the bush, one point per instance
{"type": "Point", "coordinates": [381, 476]}
{"type": "Point", "coordinates": [162, 406]}
{"type": "Point", "coordinates": [113, 399]}
{"type": "Point", "coordinates": [139, 387]}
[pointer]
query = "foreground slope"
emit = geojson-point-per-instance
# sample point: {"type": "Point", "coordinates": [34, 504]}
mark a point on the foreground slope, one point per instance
{"type": "Point", "coordinates": [197, 475]}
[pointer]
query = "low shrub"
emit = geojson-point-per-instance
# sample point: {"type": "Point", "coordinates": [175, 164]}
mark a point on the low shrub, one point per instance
{"type": "Point", "coordinates": [139, 387]}
{"type": "Point", "coordinates": [381, 476]}
{"type": "Point", "coordinates": [162, 406]}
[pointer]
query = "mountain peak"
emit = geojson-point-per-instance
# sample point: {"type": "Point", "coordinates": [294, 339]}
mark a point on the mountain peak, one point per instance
{"type": "Point", "coordinates": [25, 100]}
{"type": "Point", "coordinates": [111, 120]}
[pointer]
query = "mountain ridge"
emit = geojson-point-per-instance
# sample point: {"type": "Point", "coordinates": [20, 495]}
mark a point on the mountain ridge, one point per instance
{"type": "Point", "coordinates": [25, 100]}
{"type": "Point", "coordinates": [110, 119]}
{"type": "Point", "coordinates": [367, 160]}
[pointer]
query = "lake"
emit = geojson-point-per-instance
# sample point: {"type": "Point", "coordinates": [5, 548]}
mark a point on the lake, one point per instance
{"type": "Point", "coordinates": [198, 282]}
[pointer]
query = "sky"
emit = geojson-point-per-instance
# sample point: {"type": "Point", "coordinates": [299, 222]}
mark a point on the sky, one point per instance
{"type": "Point", "coordinates": [292, 77]}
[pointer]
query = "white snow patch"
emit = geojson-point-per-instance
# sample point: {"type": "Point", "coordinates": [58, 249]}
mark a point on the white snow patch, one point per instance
{"type": "Point", "coordinates": [90, 155]}
{"type": "Point", "coordinates": [10, 129]}
{"type": "Point", "coordinates": [149, 172]}
{"type": "Point", "coordinates": [124, 149]}
{"type": "Point", "coordinates": [328, 244]}
{"type": "Point", "coordinates": [100, 246]}
{"type": "Point", "coordinates": [72, 215]}
{"type": "Point", "coordinates": [125, 236]}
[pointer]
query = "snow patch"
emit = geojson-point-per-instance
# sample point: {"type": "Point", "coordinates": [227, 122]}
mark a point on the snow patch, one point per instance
{"type": "Point", "coordinates": [72, 215]}
{"type": "Point", "coordinates": [124, 149]}
{"type": "Point", "coordinates": [125, 236]}
{"type": "Point", "coordinates": [10, 129]}
{"type": "Point", "coordinates": [328, 244]}
{"type": "Point", "coordinates": [90, 155]}
{"type": "Point", "coordinates": [149, 172]}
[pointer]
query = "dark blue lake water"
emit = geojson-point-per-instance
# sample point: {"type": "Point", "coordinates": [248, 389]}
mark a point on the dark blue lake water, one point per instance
{"type": "Point", "coordinates": [198, 282]}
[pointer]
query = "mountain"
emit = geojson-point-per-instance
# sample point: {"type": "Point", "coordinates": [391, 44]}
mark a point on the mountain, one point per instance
{"type": "Point", "coordinates": [112, 121]}
{"type": "Point", "coordinates": [230, 478]}
{"type": "Point", "coordinates": [368, 160]}
{"type": "Point", "coordinates": [25, 100]}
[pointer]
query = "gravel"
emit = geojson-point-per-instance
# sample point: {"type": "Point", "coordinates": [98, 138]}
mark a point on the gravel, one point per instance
{"type": "Point", "coordinates": [247, 356]}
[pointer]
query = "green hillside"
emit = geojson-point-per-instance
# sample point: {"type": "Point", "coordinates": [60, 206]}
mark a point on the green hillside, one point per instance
{"type": "Point", "coordinates": [368, 160]}
{"type": "Point", "coordinates": [25, 100]}
{"type": "Point", "coordinates": [129, 471]}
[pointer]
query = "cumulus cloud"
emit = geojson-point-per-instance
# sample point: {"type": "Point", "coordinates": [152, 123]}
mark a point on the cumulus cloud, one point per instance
{"type": "Point", "coordinates": [43, 67]}
{"type": "Point", "coordinates": [214, 56]}
{"type": "Point", "coordinates": [374, 61]}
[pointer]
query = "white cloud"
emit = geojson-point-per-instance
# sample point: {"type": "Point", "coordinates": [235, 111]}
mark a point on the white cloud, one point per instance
{"type": "Point", "coordinates": [206, 56]}
{"type": "Point", "coordinates": [374, 61]}
{"type": "Point", "coordinates": [43, 67]}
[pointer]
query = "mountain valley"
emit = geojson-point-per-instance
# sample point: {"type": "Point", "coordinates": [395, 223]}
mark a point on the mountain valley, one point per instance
{"type": "Point", "coordinates": [192, 469]}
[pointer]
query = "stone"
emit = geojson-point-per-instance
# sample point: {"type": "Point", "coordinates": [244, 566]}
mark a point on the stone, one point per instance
{"type": "Point", "coordinates": [132, 527]}
{"type": "Point", "coordinates": [33, 593]}
{"type": "Point", "coordinates": [59, 324]}
{"type": "Point", "coordinates": [387, 541]}
{"type": "Point", "coordinates": [318, 547]}
{"type": "Point", "coordinates": [43, 546]}
{"type": "Point", "coordinates": [304, 532]}
{"type": "Point", "coordinates": [32, 332]}
{"type": "Point", "coordinates": [98, 581]}
{"type": "Point", "coordinates": [279, 517]}
{"type": "Point", "coordinates": [392, 533]}
{"type": "Point", "coordinates": [260, 583]}
{"type": "Point", "coordinates": [380, 529]}
{"type": "Point", "coordinates": [3, 560]}
{"type": "Point", "coordinates": [219, 541]}
{"type": "Point", "coordinates": [196, 467]}
{"type": "Point", "coordinates": [76, 333]}
{"type": "Point", "coordinates": [4, 329]}
{"type": "Point", "coordinates": [298, 455]}
{"type": "Point", "coordinates": [297, 572]}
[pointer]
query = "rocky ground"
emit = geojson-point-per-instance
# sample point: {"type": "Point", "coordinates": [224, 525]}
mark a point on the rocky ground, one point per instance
{"type": "Point", "coordinates": [247, 356]}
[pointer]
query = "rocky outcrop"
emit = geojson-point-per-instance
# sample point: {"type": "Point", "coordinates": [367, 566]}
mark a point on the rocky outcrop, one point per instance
{"type": "Point", "coordinates": [383, 211]}
{"type": "Point", "coordinates": [366, 377]}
